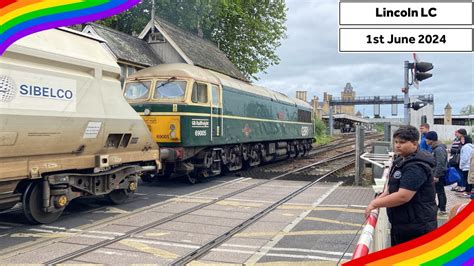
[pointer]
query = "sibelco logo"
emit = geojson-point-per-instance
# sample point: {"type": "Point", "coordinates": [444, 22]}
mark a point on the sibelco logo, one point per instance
{"type": "Point", "coordinates": [7, 89]}
{"type": "Point", "coordinates": [397, 175]}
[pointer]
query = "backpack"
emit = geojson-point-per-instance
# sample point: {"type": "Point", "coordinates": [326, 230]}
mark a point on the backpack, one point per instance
{"type": "Point", "coordinates": [452, 176]}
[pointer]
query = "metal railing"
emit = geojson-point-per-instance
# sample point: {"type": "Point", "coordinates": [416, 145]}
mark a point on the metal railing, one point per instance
{"type": "Point", "coordinates": [375, 231]}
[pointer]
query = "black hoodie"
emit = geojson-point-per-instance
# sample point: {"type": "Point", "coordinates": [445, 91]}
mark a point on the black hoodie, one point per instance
{"type": "Point", "coordinates": [413, 173]}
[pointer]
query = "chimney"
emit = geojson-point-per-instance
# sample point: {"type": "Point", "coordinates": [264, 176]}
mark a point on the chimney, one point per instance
{"type": "Point", "coordinates": [448, 115]}
{"type": "Point", "coordinates": [302, 95]}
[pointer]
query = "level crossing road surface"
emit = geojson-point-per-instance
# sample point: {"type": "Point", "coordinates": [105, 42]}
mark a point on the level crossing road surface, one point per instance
{"type": "Point", "coordinates": [316, 225]}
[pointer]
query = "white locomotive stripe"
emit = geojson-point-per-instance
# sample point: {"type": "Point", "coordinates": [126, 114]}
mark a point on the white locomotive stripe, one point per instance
{"type": "Point", "coordinates": [225, 116]}
{"type": "Point", "coordinates": [256, 257]}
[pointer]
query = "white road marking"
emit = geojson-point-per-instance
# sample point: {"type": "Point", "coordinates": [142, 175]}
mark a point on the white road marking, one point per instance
{"type": "Point", "coordinates": [252, 251]}
{"type": "Point", "coordinates": [5, 227]}
{"type": "Point", "coordinates": [344, 206]}
{"type": "Point", "coordinates": [291, 249]}
{"type": "Point", "coordinates": [256, 257]}
{"type": "Point", "coordinates": [79, 230]}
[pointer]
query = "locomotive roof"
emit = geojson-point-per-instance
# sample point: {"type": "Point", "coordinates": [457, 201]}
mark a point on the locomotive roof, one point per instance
{"type": "Point", "coordinates": [205, 75]}
{"type": "Point", "coordinates": [178, 71]}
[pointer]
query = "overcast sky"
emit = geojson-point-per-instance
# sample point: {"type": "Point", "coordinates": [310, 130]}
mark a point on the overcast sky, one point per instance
{"type": "Point", "coordinates": [310, 61]}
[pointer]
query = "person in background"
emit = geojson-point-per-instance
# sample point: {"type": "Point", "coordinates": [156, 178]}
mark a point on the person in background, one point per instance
{"type": "Point", "coordinates": [465, 161]}
{"type": "Point", "coordinates": [410, 194]}
{"type": "Point", "coordinates": [440, 153]}
{"type": "Point", "coordinates": [470, 176]}
{"type": "Point", "coordinates": [454, 159]}
{"type": "Point", "coordinates": [424, 128]}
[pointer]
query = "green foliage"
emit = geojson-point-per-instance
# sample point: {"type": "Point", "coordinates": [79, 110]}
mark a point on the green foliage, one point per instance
{"type": "Point", "coordinates": [247, 31]}
{"type": "Point", "coordinates": [380, 128]}
{"type": "Point", "coordinates": [320, 132]}
{"type": "Point", "coordinates": [467, 110]}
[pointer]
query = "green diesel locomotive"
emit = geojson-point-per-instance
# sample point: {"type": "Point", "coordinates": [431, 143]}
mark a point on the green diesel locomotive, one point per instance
{"type": "Point", "coordinates": [206, 122]}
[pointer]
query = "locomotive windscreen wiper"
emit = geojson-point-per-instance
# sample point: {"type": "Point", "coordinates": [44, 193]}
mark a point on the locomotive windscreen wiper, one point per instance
{"type": "Point", "coordinates": [168, 81]}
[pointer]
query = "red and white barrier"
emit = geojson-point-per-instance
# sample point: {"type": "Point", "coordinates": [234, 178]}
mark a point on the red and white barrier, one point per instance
{"type": "Point", "coordinates": [367, 236]}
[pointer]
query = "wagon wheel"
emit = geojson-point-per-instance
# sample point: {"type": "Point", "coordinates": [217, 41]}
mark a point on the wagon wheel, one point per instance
{"type": "Point", "coordinates": [33, 206]}
{"type": "Point", "coordinates": [193, 178]}
{"type": "Point", "coordinates": [119, 196]}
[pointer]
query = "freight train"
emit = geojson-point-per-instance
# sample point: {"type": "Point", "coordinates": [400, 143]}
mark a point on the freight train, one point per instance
{"type": "Point", "coordinates": [65, 129]}
{"type": "Point", "coordinates": [206, 122]}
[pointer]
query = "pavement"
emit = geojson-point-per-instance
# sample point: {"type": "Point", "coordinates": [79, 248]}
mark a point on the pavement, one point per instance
{"type": "Point", "coordinates": [454, 198]}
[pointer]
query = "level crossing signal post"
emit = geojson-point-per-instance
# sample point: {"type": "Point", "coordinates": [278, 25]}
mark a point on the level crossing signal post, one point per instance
{"type": "Point", "coordinates": [419, 72]}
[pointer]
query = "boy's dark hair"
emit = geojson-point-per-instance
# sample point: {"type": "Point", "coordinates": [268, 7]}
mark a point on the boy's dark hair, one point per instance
{"type": "Point", "coordinates": [408, 133]}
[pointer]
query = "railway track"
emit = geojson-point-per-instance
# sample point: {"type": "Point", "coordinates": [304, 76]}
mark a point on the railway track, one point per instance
{"type": "Point", "coordinates": [171, 218]}
{"type": "Point", "coordinates": [221, 238]}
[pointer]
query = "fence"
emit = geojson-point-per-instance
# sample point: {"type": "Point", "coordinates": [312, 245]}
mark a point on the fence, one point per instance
{"type": "Point", "coordinates": [446, 132]}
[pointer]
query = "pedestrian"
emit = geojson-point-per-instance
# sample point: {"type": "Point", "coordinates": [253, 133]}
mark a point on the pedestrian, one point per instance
{"type": "Point", "coordinates": [440, 154]}
{"type": "Point", "coordinates": [465, 161]}
{"type": "Point", "coordinates": [454, 159]}
{"type": "Point", "coordinates": [410, 194]}
{"type": "Point", "coordinates": [470, 177]}
{"type": "Point", "coordinates": [424, 128]}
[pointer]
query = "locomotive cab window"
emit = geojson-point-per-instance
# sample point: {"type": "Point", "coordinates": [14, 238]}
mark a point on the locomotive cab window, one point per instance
{"type": "Point", "coordinates": [169, 89]}
{"type": "Point", "coordinates": [304, 116]}
{"type": "Point", "coordinates": [138, 90]}
{"type": "Point", "coordinates": [215, 96]}
{"type": "Point", "coordinates": [199, 94]}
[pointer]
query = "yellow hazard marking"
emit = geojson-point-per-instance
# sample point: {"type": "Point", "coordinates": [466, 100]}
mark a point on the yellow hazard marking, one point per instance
{"type": "Point", "coordinates": [42, 235]}
{"type": "Point", "coordinates": [191, 200]}
{"type": "Point", "coordinates": [331, 221]}
{"type": "Point", "coordinates": [157, 234]}
{"type": "Point", "coordinates": [221, 203]}
{"type": "Point", "coordinates": [299, 233]}
{"type": "Point", "coordinates": [290, 207]}
{"type": "Point", "coordinates": [147, 249]}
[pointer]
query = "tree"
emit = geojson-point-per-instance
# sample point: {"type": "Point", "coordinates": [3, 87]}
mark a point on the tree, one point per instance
{"type": "Point", "coordinates": [467, 110]}
{"type": "Point", "coordinates": [247, 31]}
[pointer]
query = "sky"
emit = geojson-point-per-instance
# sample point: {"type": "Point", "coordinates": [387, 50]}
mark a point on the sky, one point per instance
{"type": "Point", "coordinates": [310, 61]}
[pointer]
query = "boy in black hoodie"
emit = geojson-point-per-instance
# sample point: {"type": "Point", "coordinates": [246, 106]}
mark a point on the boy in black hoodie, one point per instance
{"type": "Point", "coordinates": [410, 194]}
{"type": "Point", "coordinates": [440, 153]}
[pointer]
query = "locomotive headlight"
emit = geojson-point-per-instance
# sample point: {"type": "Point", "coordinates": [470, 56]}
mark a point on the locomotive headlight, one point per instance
{"type": "Point", "coordinates": [147, 112]}
{"type": "Point", "coordinates": [172, 131]}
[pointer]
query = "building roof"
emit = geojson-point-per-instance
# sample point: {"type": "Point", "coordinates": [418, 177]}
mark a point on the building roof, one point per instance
{"type": "Point", "coordinates": [126, 47]}
{"type": "Point", "coordinates": [195, 50]}
{"type": "Point", "coordinates": [471, 116]}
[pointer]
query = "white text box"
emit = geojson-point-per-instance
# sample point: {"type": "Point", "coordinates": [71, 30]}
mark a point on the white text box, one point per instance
{"type": "Point", "coordinates": [405, 40]}
{"type": "Point", "coordinates": [405, 13]}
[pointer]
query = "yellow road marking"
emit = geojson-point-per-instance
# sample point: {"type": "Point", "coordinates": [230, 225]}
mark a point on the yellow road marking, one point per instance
{"type": "Point", "coordinates": [147, 249]}
{"type": "Point", "coordinates": [330, 221]}
{"type": "Point", "coordinates": [294, 207]}
{"type": "Point", "coordinates": [298, 233]}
